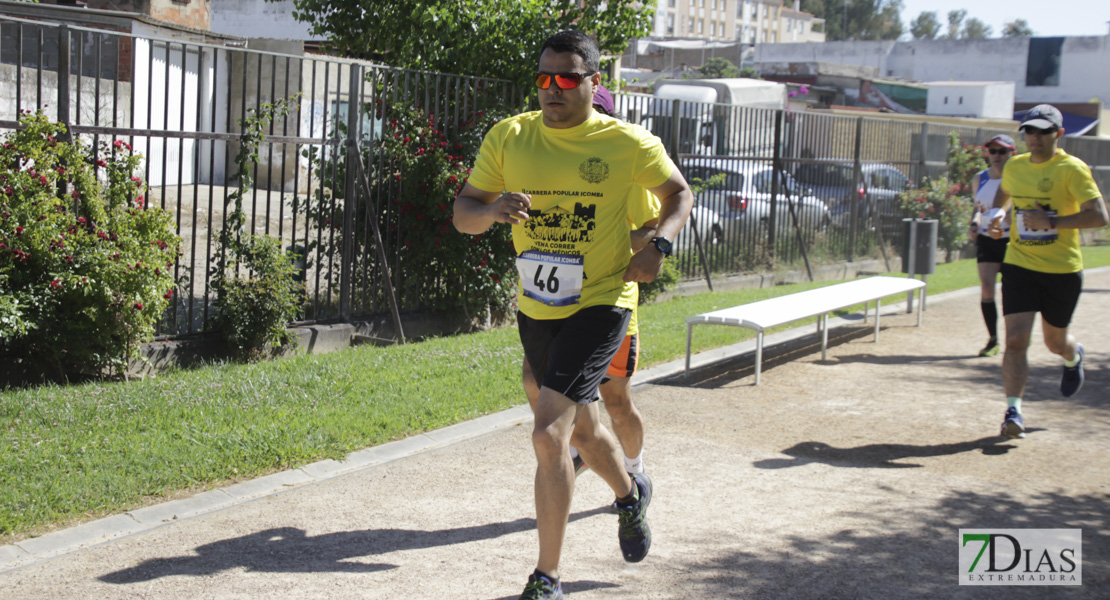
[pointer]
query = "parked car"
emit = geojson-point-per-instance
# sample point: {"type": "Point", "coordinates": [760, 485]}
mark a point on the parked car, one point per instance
{"type": "Point", "coordinates": [708, 228]}
{"type": "Point", "coordinates": [744, 197]}
{"type": "Point", "coordinates": [879, 185]}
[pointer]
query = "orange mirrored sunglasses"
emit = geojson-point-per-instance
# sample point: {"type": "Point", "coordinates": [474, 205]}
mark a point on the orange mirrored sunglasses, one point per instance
{"type": "Point", "coordinates": [564, 81]}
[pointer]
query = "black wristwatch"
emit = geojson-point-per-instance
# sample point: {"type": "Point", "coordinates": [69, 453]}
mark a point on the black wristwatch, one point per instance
{"type": "Point", "coordinates": [663, 245]}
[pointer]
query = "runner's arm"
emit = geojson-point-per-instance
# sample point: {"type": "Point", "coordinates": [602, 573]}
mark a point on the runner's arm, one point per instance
{"type": "Point", "coordinates": [643, 235]}
{"type": "Point", "coordinates": [476, 210]}
{"type": "Point", "coordinates": [1091, 215]}
{"type": "Point", "coordinates": [675, 200]}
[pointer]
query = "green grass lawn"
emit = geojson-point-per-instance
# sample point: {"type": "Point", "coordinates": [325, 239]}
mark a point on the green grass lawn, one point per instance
{"type": "Point", "coordinates": [72, 453]}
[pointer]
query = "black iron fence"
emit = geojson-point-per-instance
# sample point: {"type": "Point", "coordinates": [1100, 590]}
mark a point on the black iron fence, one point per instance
{"type": "Point", "coordinates": [790, 187]}
{"type": "Point", "coordinates": [179, 103]}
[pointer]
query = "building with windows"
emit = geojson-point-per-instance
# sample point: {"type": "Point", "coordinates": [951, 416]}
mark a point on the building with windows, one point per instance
{"type": "Point", "coordinates": [744, 21]}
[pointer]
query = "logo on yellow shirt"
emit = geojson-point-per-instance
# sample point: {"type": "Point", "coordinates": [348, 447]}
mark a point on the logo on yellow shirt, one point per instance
{"type": "Point", "coordinates": [1045, 185]}
{"type": "Point", "coordinates": [594, 170]}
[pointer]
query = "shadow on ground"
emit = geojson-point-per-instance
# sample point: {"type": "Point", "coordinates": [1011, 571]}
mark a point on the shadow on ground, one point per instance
{"type": "Point", "coordinates": [290, 550]}
{"type": "Point", "coordinates": [886, 559]}
{"type": "Point", "coordinates": [878, 455]}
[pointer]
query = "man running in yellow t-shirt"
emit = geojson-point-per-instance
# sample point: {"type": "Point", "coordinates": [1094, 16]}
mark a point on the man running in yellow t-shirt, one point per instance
{"type": "Point", "coordinates": [616, 389]}
{"type": "Point", "coordinates": [1052, 196]}
{"type": "Point", "coordinates": [563, 177]}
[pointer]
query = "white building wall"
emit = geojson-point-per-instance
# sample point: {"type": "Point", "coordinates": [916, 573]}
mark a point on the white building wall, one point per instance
{"type": "Point", "coordinates": [1083, 71]}
{"type": "Point", "coordinates": [972, 99]}
{"type": "Point", "coordinates": [258, 19]}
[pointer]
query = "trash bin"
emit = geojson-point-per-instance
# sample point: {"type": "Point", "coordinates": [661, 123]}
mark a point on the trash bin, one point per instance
{"type": "Point", "coordinates": [919, 246]}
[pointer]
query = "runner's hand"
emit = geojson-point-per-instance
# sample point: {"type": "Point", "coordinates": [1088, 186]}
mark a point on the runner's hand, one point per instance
{"type": "Point", "coordinates": [995, 229]}
{"type": "Point", "coordinates": [511, 208]}
{"type": "Point", "coordinates": [644, 266]}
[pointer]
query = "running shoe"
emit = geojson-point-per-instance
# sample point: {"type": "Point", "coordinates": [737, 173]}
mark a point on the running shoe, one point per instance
{"type": "Point", "coordinates": [615, 507]}
{"type": "Point", "coordinates": [542, 587]}
{"type": "Point", "coordinates": [991, 349]}
{"type": "Point", "coordinates": [634, 533]}
{"type": "Point", "coordinates": [580, 466]}
{"type": "Point", "coordinates": [1013, 426]}
{"type": "Point", "coordinates": [1073, 376]}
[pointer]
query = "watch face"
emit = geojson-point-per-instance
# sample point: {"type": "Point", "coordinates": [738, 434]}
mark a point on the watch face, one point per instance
{"type": "Point", "coordinates": [663, 244]}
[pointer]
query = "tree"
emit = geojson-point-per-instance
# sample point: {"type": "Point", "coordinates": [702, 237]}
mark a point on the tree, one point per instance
{"type": "Point", "coordinates": [858, 19]}
{"type": "Point", "coordinates": [1017, 28]}
{"type": "Point", "coordinates": [485, 38]}
{"type": "Point", "coordinates": [955, 19]}
{"type": "Point", "coordinates": [926, 26]}
{"type": "Point", "coordinates": [974, 29]}
{"type": "Point", "coordinates": [718, 68]}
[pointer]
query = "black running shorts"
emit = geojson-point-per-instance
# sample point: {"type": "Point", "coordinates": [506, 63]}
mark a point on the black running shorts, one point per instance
{"type": "Point", "coordinates": [990, 250]}
{"type": "Point", "coordinates": [571, 355]}
{"type": "Point", "coordinates": [1054, 295]}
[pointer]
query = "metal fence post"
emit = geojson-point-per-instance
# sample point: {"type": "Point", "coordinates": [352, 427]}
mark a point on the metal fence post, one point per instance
{"type": "Point", "coordinates": [350, 187]}
{"type": "Point", "coordinates": [857, 169]}
{"type": "Point", "coordinates": [63, 80]}
{"type": "Point", "coordinates": [676, 130]}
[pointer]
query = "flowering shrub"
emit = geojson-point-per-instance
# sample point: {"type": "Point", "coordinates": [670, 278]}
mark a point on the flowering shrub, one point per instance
{"type": "Point", "coordinates": [256, 290]}
{"type": "Point", "coordinates": [416, 169]}
{"type": "Point", "coordinates": [948, 199]}
{"type": "Point", "coordinates": [86, 266]}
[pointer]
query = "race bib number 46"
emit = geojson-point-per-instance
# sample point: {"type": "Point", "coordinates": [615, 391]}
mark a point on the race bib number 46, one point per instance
{"type": "Point", "coordinates": [553, 279]}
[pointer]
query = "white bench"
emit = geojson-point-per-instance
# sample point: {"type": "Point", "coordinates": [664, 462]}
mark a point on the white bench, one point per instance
{"type": "Point", "coordinates": [772, 312]}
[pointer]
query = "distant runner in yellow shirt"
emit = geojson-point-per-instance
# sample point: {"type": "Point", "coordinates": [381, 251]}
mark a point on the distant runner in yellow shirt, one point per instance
{"type": "Point", "coordinates": [1051, 196]}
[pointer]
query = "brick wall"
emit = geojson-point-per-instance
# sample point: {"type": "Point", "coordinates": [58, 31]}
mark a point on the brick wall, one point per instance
{"type": "Point", "coordinates": [190, 13]}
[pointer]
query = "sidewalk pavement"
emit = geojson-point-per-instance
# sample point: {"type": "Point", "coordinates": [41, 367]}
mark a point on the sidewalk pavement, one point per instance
{"type": "Point", "coordinates": [843, 478]}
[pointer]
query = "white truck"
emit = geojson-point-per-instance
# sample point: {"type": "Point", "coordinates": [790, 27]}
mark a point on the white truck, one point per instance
{"type": "Point", "coordinates": [715, 116]}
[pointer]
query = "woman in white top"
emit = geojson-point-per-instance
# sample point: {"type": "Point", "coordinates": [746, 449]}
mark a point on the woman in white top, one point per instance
{"type": "Point", "coordinates": [990, 251]}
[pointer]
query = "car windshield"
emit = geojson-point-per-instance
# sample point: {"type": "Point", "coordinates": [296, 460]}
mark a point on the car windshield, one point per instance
{"type": "Point", "coordinates": [825, 174]}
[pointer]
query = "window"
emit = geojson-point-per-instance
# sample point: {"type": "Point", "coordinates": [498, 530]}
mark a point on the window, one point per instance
{"type": "Point", "coordinates": [670, 24]}
{"type": "Point", "coordinates": [1042, 67]}
{"type": "Point", "coordinates": [701, 26]}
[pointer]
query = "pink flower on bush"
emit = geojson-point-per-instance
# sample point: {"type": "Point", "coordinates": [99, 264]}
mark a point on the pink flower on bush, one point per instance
{"type": "Point", "coordinates": [138, 306]}
{"type": "Point", "coordinates": [56, 284]}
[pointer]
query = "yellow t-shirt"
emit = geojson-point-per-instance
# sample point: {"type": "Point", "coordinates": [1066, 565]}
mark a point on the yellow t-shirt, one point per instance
{"type": "Point", "coordinates": [575, 247]}
{"type": "Point", "coordinates": [1060, 185]}
{"type": "Point", "coordinates": [641, 212]}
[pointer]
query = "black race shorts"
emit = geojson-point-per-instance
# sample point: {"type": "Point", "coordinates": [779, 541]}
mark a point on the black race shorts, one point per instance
{"type": "Point", "coordinates": [1054, 295]}
{"type": "Point", "coordinates": [990, 250]}
{"type": "Point", "coordinates": [571, 355]}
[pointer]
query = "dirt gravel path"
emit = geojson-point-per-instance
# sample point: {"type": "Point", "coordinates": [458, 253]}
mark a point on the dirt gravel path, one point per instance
{"type": "Point", "coordinates": [844, 478]}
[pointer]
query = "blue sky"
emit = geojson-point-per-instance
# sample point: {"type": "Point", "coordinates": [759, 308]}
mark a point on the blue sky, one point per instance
{"type": "Point", "coordinates": [1047, 18]}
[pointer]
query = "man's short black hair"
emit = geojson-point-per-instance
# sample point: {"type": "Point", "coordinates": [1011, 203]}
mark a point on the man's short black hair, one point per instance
{"type": "Point", "coordinates": [572, 40]}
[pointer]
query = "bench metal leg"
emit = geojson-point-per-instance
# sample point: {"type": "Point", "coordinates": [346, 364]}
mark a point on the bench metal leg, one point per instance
{"type": "Point", "coordinates": [920, 304]}
{"type": "Point", "coordinates": [878, 303]}
{"type": "Point", "coordinates": [689, 339]}
{"type": "Point", "coordinates": [758, 354]}
{"type": "Point", "coordinates": [824, 320]}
